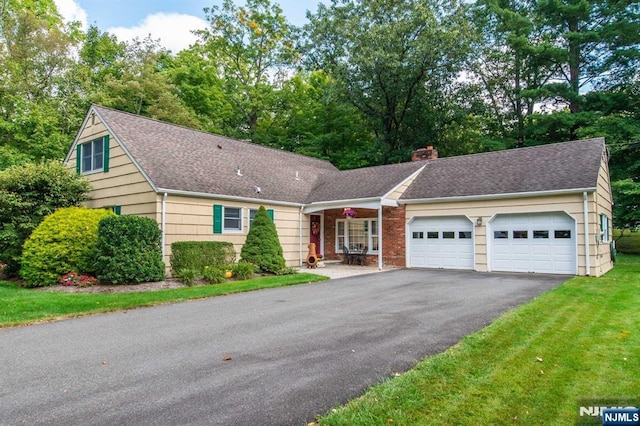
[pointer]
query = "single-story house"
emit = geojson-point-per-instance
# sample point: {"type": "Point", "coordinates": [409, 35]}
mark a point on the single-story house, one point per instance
{"type": "Point", "coordinates": [543, 209]}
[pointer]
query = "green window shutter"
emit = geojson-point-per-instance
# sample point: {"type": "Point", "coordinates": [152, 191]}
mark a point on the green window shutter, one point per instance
{"type": "Point", "coordinates": [270, 212]}
{"type": "Point", "coordinates": [217, 219]}
{"type": "Point", "coordinates": [105, 158]}
{"type": "Point", "coordinates": [117, 210]}
{"type": "Point", "coordinates": [78, 158]}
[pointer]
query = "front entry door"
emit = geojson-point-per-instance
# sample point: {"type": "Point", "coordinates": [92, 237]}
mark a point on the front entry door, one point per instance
{"type": "Point", "coordinates": [314, 231]}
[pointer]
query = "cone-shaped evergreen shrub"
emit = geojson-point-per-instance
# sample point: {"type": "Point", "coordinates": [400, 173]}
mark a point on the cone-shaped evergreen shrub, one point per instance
{"type": "Point", "coordinates": [64, 241]}
{"type": "Point", "coordinates": [129, 250]}
{"type": "Point", "coordinates": [262, 246]}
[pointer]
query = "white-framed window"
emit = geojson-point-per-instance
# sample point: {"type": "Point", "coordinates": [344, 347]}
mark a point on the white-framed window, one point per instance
{"type": "Point", "coordinates": [92, 156]}
{"type": "Point", "coordinates": [604, 228]}
{"type": "Point", "coordinates": [357, 234]}
{"type": "Point", "coordinates": [232, 221]}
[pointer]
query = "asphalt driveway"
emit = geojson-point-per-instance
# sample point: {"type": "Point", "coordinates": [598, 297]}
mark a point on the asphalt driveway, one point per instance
{"type": "Point", "coordinates": [271, 357]}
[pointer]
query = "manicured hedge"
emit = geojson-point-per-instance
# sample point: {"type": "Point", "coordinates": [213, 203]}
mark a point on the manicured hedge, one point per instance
{"type": "Point", "coordinates": [65, 241]}
{"type": "Point", "coordinates": [129, 250]}
{"type": "Point", "coordinates": [196, 255]}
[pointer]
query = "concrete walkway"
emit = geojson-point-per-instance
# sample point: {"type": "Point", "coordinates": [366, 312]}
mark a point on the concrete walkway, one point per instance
{"type": "Point", "coordinates": [335, 270]}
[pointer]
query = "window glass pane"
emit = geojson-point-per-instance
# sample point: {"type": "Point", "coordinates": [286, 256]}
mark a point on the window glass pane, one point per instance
{"type": "Point", "coordinates": [520, 234]}
{"type": "Point", "coordinates": [86, 157]}
{"type": "Point", "coordinates": [98, 150]}
{"type": "Point", "coordinates": [432, 235]}
{"type": "Point", "coordinates": [500, 235]}
{"type": "Point", "coordinates": [449, 235]}
{"type": "Point", "coordinates": [340, 237]}
{"type": "Point", "coordinates": [418, 235]}
{"type": "Point", "coordinates": [464, 235]}
{"type": "Point", "coordinates": [252, 215]}
{"type": "Point", "coordinates": [374, 243]}
{"type": "Point", "coordinates": [562, 234]}
{"type": "Point", "coordinates": [232, 219]}
{"type": "Point", "coordinates": [358, 235]}
{"type": "Point", "coordinates": [540, 234]}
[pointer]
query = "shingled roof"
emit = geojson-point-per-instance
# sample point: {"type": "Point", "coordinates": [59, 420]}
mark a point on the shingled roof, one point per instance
{"type": "Point", "coordinates": [367, 182]}
{"type": "Point", "coordinates": [182, 159]}
{"type": "Point", "coordinates": [555, 167]}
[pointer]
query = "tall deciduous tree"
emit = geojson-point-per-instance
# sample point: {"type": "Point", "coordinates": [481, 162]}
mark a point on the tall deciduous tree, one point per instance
{"type": "Point", "coordinates": [392, 60]}
{"type": "Point", "coordinates": [142, 85]}
{"type": "Point", "coordinates": [35, 47]}
{"type": "Point", "coordinates": [250, 48]}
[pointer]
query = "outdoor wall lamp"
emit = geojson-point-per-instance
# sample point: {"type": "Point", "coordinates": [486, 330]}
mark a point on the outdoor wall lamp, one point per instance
{"type": "Point", "coordinates": [479, 221]}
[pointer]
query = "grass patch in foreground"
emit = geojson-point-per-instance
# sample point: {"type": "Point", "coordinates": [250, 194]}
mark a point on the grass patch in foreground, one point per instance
{"type": "Point", "coordinates": [531, 366]}
{"type": "Point", "coordinates": [20, 306]}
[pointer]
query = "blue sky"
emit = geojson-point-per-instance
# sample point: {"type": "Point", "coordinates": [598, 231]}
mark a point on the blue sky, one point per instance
{"type": "Point", "coordinates": [171, 21]}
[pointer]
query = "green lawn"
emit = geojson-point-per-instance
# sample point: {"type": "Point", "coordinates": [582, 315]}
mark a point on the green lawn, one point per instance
{"type": "Point", "coordinates": [531, 366]}
{"type": "Point", "coordinates": [20, 306]}
{"type": "Point", "coordinates": [629, 243]}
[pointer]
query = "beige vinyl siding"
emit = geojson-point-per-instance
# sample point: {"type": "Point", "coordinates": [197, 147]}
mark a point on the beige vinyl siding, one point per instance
{"type": "Point", "coordinates": [571, 204]}
{"type": "Point", "coordinates": [123, 185]}
{"type": "Point", "coordinates": [191, 219]}
{"type": "Point", "coordinates": [604, 201]}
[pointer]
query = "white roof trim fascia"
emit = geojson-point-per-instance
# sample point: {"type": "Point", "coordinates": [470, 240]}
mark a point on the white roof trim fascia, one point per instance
{"type": "Point", "coordinates": [227, 197]}
{"type": "Point", "coordinates": [75, 141]}
{"type": "Point", "coordinates": [363, 203]}
{"type": "Point", "coordinates": [497, 196]}
{"type": "Point", "coordinates": [412, 176]}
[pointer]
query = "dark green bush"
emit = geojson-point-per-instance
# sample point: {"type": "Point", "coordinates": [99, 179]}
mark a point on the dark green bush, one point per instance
{"type": "Point", "coordinates": [198, 254]}
{"type": "Point", "coordinates": [187, 276]}
{"type": "Point", "coordinates": [214, 275]}
{"type": "Point", "coordinates": [65, 241]}
{"type": "Point", "coordinates": [244, 270]}
{"type": "Point", "coordinates": [262, 246]}
{"type": "Point", "coordinates": [29, 193]}
{"type": "Point", "coordinates": [129, 250]}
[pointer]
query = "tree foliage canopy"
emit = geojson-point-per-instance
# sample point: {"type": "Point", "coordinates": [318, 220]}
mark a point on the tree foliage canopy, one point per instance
{"type": "Point", "coordinates": [363, 82]}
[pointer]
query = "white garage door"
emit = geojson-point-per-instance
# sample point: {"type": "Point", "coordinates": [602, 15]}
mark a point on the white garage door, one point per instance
{"type": "Point", "coordinates": [441, 242]}
{"type": "Point", "coordinates": [537, 242]}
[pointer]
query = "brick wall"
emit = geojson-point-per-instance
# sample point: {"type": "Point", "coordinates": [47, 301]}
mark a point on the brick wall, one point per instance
{"type": "Point", "coordinates": [393, 234]}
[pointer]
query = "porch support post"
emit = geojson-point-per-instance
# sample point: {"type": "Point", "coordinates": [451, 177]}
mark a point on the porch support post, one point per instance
{"type": "Point", "coordinates": [380, 237]}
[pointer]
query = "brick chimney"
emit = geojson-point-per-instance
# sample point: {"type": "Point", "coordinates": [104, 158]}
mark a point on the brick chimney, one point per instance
{"type": "Point", "coordinates": [428, 153]}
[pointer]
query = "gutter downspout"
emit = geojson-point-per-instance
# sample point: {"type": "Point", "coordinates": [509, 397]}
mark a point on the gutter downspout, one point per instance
{"type": "Point", "coordinates": [380, 237]}
{"type": "Point", "coordinates": [585, 213]}
{"type": "Point", "coordinates": [164, 224]}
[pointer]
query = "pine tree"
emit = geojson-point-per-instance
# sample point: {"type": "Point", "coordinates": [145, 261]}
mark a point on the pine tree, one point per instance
{"type": "Point", "coordinates": [262, 246]}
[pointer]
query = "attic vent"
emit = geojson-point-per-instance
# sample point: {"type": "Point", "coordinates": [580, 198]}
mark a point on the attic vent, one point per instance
{"type": "Point", "coordinates": [238, 171]}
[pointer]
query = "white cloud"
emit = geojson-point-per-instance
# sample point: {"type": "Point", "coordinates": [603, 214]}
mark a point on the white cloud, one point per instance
{"type": "Point", "coordinates": [71, 11]}
{"type": "Point", "coordinates": [174, 30]}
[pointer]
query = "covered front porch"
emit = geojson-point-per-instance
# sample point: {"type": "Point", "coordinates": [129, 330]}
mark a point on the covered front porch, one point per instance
{"type": "Point", "coordinates": [376, 226]}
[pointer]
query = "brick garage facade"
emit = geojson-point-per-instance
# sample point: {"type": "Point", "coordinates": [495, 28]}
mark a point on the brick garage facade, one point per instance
{"type": "Point", "coordinates": [393, 234]}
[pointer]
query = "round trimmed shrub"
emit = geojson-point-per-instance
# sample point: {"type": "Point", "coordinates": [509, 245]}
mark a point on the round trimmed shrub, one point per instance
{"type": "Point", "coordinates": [64, 241]}
{"type": "Point", "coordinates": [129, 250]}
{"type": "Point", "coordinates": [262, 246]}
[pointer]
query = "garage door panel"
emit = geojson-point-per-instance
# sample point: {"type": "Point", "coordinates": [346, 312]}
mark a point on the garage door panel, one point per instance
{"type": "Point", "coordinates": [540, 251]}
{"type": "Point", "coordinates": [452, 252]}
